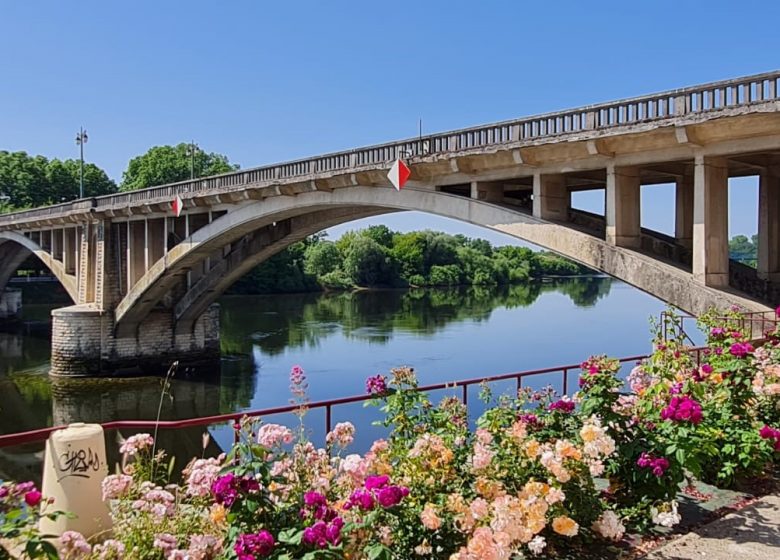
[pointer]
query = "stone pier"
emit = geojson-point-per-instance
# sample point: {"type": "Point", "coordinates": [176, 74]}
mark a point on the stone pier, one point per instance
{"type": "Point", "coordinates": [84, 343]}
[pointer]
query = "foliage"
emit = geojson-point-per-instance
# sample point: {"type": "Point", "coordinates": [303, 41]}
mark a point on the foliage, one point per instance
{"type": "Point", "coordinates": [21, 509]}
{"type": "Point", "coordinates": [161, 165]}
{"type": "Point", "coordinates": [30, 181]}
{"type": "Point", "coordinates": [379, 257]}
{"type": "Point", "coordinates": [744, 249]}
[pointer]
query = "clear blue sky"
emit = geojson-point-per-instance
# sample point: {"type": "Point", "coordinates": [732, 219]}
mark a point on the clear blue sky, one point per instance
{"type": "Point", "coordinates": [270, 81]}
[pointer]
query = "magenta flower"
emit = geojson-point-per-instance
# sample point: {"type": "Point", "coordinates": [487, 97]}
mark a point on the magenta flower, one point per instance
{"type": "Point", "coordinates": [772, 434]}
{"type": "Point", "coordinates": [658, 465]}
{"type": "Point", "coordinates": [32, 498]}
{"type": "Point", "coordinates": [377, 481]}
{"type": "Point", "coordinates": [717, 332]}
{"type": "Point", "coordinates": [228, 488]}
{"type": "Point", "coordinates": [777, 311]}
{"type": "Point", "coordinates": [564, 405]}
{"type": "Point", "coordinates": [376, 385]}
{"type": "Point", "coordinates": [254, 545]}
{"type": "Point", "coordinates": [391, 496]}
{"type": "Point", "coordinates": [741, 349]}
{"type": "Point", "coordinates": [683, 409]}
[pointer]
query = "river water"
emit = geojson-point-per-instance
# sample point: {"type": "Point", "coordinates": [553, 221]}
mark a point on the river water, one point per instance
{"type": "Point", "coordinates": [339, 339]}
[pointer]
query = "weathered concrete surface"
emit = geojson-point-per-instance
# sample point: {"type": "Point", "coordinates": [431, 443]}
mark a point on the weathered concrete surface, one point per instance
{"type": "Point", "coordinates": [750, 534]}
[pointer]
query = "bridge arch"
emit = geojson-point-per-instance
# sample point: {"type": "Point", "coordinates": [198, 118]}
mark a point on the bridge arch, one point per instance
{"type": "Point", "coordinates": [307, 213]}
{"type": "Point", "coordinates": [16, 248]}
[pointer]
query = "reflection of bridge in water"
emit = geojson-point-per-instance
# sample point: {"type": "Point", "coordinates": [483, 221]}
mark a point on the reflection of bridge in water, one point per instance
{"type": "Point", "coordinates": [65, 401]}
{"type": "Point", "coordinates": [143, 281]}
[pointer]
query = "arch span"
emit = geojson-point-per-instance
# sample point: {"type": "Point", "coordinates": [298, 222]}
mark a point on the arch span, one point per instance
{"type": "Point", "coordinates": [663, 280]}
{"type": "Point", "coordinates": [14, 250]}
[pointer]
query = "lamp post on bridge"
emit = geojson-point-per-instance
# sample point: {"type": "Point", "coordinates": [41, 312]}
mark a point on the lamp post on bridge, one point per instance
{"type": "Point", "coordinates": [192, 149]}
{"type": "Point", "coordinates": [81, 139]}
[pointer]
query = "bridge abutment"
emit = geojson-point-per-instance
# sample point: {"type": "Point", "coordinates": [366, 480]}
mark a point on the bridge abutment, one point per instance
{"type": "Point", "coordinates": [85, 343]}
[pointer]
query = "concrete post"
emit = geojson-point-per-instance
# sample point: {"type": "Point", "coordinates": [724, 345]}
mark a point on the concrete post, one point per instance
{"type": "Point", "coordinates": [769, 226]}
{"type": "Point", "coordinates": [623, 206]}
{"type": "Point", "coordinates": [488, 192]}
{"type": "Point", "coordinates": [551, 198]}
{"type": "Point", "coordinates": [711, 222]}
{"type": "Point", "coordinates": [683, 211]}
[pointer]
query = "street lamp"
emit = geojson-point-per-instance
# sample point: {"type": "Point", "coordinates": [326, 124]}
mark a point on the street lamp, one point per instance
{"type": "Point", "coordinates": [81, 139]}
{"type": "Point", "coordinates": [192, 149]}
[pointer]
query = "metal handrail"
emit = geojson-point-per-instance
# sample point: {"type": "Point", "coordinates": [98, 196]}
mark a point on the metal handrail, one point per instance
{"type": "Point", "coordinates": [35, 436]}
{"type": "Point", "coordinates": [693, 100]}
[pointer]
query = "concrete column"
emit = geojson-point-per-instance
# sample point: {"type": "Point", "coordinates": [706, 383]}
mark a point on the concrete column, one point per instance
{"type": "Point", "coordinates": [683, 211]}
{"type": "Point", "coordinates": [769, 226]}
{"type": "Point", "coordinates": [488, 192]}
{"type": "Point", "coordinates": [137, 247]}
{"type": "Point", "coordinates": [623, 206]}
{"type": "Point", "coordinates": [157, 231]}
{"type": "Point", "coordinates": [83, 251]}
{"type": "Point", "coordinates": [711, 222]}
{"type": "Point", "coordinates": [551, 198]}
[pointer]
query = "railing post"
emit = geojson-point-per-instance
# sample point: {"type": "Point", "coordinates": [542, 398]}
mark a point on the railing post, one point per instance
{"type": "Point", "coordinates": [465, 394]}
{"type": "Point", "coordinates": [565, 381]}
{"type": "Point", "coordinates": [328, 420]}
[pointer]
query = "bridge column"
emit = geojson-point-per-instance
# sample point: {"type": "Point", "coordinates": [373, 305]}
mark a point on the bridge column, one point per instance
{"type": "Point", "coordinates": [711, 222]}
{"type": "Point", "coordinates": [551, 198]}
{"type": "Point", "coordinates": [623, 206]}
{"type": "Point", "coordinates": [683, 211]}
{"type": "Point", "coordinates": [489, 192]}
{"type": "Point", "coordinates": [769, 225]}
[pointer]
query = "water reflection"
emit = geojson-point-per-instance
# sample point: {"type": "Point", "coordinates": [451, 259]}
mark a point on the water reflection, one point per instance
{"type": "Point", "coordinates": [339, 338]}
{"type": "Point", "coordinates": [304, 321]}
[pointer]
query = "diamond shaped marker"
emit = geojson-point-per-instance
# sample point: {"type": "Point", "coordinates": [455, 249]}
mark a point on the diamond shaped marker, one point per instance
{"type": "Point", "coordinates": [399, 174]}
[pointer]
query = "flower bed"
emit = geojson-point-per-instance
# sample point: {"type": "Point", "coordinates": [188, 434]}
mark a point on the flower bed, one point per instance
{"type": "Point", "coordinates": [539, 476]}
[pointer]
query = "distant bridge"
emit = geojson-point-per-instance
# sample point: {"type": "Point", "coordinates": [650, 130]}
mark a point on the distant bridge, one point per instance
{"type": "Point", "coordinates": [143, 281]}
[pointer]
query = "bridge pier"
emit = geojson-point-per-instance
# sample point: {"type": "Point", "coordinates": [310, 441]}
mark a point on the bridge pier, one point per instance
{"type": "Point", "coordinates": [711, 221]}
{"type": "Point", "coordinates": [623, 206]}
{"type": "Point", "coordinates": [768, 225]}
{"type": "Point", "coordinates": [85, 343]}
{"type": "Point", "coordinates": [683, 211]}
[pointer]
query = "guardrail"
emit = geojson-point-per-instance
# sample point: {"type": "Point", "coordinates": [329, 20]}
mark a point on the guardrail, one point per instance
{"type": "Point", "coordinates": [35, 436]}
{"type": "Point", "coordinates": [700, 99]}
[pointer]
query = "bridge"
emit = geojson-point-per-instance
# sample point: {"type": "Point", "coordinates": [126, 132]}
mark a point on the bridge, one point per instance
{"type": "Point", "coordinates": [143, 282]}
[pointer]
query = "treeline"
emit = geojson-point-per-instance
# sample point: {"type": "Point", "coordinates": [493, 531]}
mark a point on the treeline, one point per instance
{"type": "Point", "coordinates": [744, 249]}
{"type": "Point", "coordinates": [28, 181]}
{"type": "Point", "coordinates": [377, 257]}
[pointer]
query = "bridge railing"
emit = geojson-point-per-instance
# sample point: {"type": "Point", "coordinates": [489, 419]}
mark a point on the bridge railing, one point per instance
{"type": "Point", "coordinates": [700, 99]}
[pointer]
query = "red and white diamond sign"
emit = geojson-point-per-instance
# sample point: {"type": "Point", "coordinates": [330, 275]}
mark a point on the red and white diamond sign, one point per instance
{"type": "Point", "coordinates": [399, 174]}
{"type": "Point", "coordinates": [178, 206]}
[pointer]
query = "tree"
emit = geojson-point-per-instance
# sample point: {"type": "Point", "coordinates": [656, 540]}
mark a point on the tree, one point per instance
{"type": "Point", "coordinates": [170, 164]}
{"type": "Point", "coordinates": [321, 258]}
{"type": "Point", "coordinates": [30, 181]}
{"type": "Point", "coordinates": [743, 249]}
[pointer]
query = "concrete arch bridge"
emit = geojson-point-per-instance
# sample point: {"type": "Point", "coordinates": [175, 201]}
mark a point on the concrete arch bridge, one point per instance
{"type": "Point", "coordinates": [143, 281]}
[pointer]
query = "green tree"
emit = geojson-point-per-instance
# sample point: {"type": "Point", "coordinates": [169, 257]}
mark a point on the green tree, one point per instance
{"type": "Point", "coordinates": [169, 164]}
{"type": "Point", "coordinates": [744, 249]}
{"type": "Point", "coordinates": [368, 263]}
{"type": "Point", "coordinates": [321, 258]}
{"type": "Point", "coordinates": [30, 181]}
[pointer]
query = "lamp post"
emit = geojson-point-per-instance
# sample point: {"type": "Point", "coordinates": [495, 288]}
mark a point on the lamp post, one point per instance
{"type": "Point", "coordinates": [192, 149]}
{"type": "Point", "coordinates": [81, 139]}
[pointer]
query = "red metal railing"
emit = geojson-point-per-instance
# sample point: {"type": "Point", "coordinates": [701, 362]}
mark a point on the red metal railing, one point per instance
{"type": "Point", "coordinates": [764, 320]}
{"type": "Point", "coordinates": [34, 436]}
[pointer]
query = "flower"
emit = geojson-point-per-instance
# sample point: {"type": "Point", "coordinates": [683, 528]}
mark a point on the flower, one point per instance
{"type": "Point", "coordinates": [683, 409]}
{"type": "Point", "coordinates": [564, 405]}
{"type": "Point", "coordinates": [772, 434]}
{"type": "Point", "coordinates": [666, 516]}
{"type": "Point", "coordinates": [609, 526]}
{"type": "Point", "coordinates": [565, 526]}
{"type": "Point", "coordinates": [658, 465]}
{"type": "Point", "coordinates": [201, 474]}
{"type": "Point", "coordinates": [204, 547]}
{"type": "Point", "coordinates": [73, 544]}
{"type": "Point", "coordinates": [274, 435]}
{"type": "Point", "coordinates": [136, 443]}
{"type": "Point", "coordinates": [741, 349]}
{"type": "Point", "coordinates": [537, 544]}
{"type": "Point", "coordinates": [342, 435]}
{"type": "Point", "coordinates": [430, 519]}
{"type": "Point", "coordinates": [109, 549]}
{"type": "Point", "coordinates": [115, 486]}
{"type": "Point", "coordinates": [165, 542]}
{"type": "Point", "coordinates": [32, 498]}
{"type": "Point", "coordinates": [254, 545]}
{"type": "Point", "coordinates": [376, 385]}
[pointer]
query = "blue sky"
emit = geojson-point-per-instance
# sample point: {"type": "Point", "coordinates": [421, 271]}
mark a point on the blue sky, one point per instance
{"type": "Point", "coordinates": [270, 81]}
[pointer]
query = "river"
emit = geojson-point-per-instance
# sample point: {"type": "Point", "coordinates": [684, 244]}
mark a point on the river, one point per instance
{"type": "Point", "coordinates": [339, 339]}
